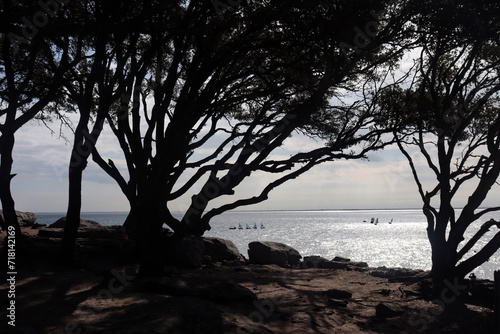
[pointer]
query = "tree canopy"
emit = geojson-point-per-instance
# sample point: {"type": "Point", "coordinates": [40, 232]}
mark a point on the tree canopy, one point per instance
{"type": "Point", "coordinates": [450, 114]}
{"type": "Point", "coordinates": [32, 63]}
{"type": "Point", "coordinates": [201, 97]}
{"type": "Point", "coordinates": [250, 80]}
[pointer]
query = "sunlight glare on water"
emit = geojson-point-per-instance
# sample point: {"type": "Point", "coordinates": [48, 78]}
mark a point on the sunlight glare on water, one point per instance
{"type": "Point", "coordinates": [330, 233]}
{"type": "Point", "coordinates": [346, 233]}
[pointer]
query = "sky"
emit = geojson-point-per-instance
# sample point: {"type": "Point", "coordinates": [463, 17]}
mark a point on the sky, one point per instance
{"type": "Point", "coordinates": [383, 181]}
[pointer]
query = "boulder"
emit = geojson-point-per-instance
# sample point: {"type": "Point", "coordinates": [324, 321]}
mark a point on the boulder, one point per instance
{"type": "Point", "coordinates": [61, 222]}
{"type": "Point", "coordinates": [313, 261]}
{"type": "Point", "coordinates": [359, 264]}
{"type": "Point", "coordinates": [24, 219]}
{"type": "Point", "coordinates": [221, 250]}
{"type": "Point", "coordinates": [337, 263]}
{"type": "Point", "coordinates": [193, 251]}
{"type": "Point", "coordinates": [187, 252]}
{"type": "Point", "coordinates": [334, 265]}
{"type": "Point", "coordinates": [395, 274]}
{"type": "Point", "coordinates": [268, 252]}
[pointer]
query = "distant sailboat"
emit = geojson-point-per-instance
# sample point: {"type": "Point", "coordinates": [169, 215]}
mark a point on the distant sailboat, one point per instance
{"type": "Point", "coordinates": [371, 220]}
{"type": "Point", "coordinates": [255, 226]}
{"type": "Point", "coordinates": [262, 225]}
{"type": "Point", "coordinates": [240, 227]}
{"type": "Point", "coordinates": [391, 220]}
{"type": "Point", "coordinates": [248, 227]}
{"type": "Point", "coordinates": [376, 221]}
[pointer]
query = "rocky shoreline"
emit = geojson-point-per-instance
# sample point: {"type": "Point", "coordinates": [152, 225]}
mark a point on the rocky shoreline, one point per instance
{"type": "Point", "coordinates": [209, 287]}
{"type": "Point", "coordinates": [24, 219]}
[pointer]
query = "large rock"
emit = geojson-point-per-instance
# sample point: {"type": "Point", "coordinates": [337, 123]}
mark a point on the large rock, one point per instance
{"type": "Point", "coordinates": [61, 223]}
{"type": "Point", "coordinates": [24, 219]}
{"type": "Point", "coordinates": [343, 265]}
{"type": "Point", "coordinates": [187, 252]}
{"type": "Point", "coordinates": [87, 229]}
{"type": "Point", "coordinates": [221, 250]}
{"type": "Point", "coordinates": [268, 252]}
{"type": "Point", "coordinates": [193, 251]}
{"type": "Point", "coordinates": [335, 265]}
{"type": "Point", "coordinates": [398, 274]}
{"type": "Point", "coordinates": [314, 261]}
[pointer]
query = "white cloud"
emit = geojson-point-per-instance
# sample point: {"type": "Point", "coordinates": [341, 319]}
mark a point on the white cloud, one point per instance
{"type": "Point", "coordinates": [382, 181]}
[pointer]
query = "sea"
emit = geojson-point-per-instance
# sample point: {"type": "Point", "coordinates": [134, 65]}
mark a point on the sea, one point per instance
{"type": "Point", "coordinates": [398, 240]}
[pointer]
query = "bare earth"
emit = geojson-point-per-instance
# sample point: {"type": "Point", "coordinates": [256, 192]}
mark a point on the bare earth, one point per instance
{"type": "Point", "coordinates": [100, 294]}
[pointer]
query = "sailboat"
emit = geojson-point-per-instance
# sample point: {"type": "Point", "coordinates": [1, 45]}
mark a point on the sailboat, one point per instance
{"type": "Point", "coordinates": [262, 225]}
{"type": "Point", "coordinates": [372, 220]}
{"type": "Point", "coordinates": [255, 226]}
{"type": "Point", "coordinates": [248, 227]}
{"type": "Point", "coordinates": [391, 220]}
{"type": "Point", "coordinates": [376, 221]}
{"type": "Point", "coordinates": [239, 227]}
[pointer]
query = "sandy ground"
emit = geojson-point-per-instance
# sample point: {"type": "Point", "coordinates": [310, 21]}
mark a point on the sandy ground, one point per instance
{"type": "Point", "coordinates": [100, 294]}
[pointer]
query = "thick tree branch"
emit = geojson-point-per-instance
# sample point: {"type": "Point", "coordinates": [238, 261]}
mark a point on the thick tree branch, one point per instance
{"type": "Point", "coordinates": [473, 241]}
{"type": "Point", "coordinates": [480, 257]}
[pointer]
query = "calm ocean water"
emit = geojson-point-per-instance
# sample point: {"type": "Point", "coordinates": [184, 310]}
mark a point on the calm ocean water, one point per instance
{"type": "Point", "coordinates": [328, 233]}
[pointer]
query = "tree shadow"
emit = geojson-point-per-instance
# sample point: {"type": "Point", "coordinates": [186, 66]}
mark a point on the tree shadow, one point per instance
{"type": "Point", "coordinates": [417, 312]}
{"type": "Point", "coordinates": [215, 299]}
{"type": "Point", "coordinates": [43, 302]}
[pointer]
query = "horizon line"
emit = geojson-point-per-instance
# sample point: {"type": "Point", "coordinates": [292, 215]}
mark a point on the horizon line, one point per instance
{"type": "Point", "coordinates": [248, 210]}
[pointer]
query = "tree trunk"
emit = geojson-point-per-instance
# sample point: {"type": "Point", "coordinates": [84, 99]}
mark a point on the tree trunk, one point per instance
{"type": "Point", "coordinates": [148, 235]}
{"type": "Point", "coordinates": [82, 148]}
{"type": "Point", "coordinates": [443, 264]}
{"type": "Point", "coordinates": [131, 222]}
{"type": "Point", "coordinates": [193, 222]}
{"type": "Point", "coordinates": [74, 207]}
{"type": "Point", "coordinates": [443, 253]}
{"type": "Point", "coordinates": [151, 255]}
{"type": "Point", "coordinates": [144, 225]}
{"type": "Point", "coordinates": [6, 161]}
